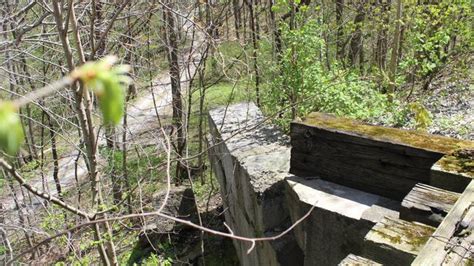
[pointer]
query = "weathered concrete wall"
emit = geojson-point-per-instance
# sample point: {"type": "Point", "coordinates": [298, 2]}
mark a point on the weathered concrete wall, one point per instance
{"type": "Point", "coordinates": [251, 160]}
{"type": "Point", "coordinates": [251, 166]}
{"type": "Point", "coordinates": [354, 176]}
{"type": "Point", "coordinates": [381, 160]}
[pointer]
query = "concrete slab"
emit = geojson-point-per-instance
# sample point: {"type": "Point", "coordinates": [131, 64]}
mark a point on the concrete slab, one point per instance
{"type": "Point", "coordinates": [340, 199]}
{"type": "Point", "coordinates": [341, 218]}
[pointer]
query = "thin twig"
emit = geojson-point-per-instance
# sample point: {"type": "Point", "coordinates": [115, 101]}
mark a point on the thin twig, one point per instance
{"type": "Point", "coordinates": [186, 222]}
{"type": "Point", "coordinates": [46, 90]}
{"type": "Point", "coordinates": [42, 194]}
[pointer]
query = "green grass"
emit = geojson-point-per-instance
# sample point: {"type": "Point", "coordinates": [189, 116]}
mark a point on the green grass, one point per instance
{"type": "Point", "coordinates": [226, 93]}
{"type": "Point", "coordinates": [137, 166]}
{"type": "Point", "coordinates": [221, 94]}
{"type": "Point", "coordinates": [228, 58]}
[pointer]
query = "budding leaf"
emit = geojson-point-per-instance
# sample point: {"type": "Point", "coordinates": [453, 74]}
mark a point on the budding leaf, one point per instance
{"type": "Point", "coordinates": [107, 82]}
{"type": "Point", "coordinates": [111, 98]}
{"type": "Point", "coordinates": [11, 132]}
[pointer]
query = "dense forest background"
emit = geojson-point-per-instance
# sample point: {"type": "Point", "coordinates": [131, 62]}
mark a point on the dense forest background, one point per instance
{"type": "Point", "coordinates": [96, 165]}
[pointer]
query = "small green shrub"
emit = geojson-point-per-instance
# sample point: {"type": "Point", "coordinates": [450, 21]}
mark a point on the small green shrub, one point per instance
{"type": "Point", "coordinates": [304, 84]}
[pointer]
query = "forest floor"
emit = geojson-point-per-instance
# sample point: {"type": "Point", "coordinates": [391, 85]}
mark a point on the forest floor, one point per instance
{"type": "Point", "coordinates": [451, 105]}
{"type": "Point", "coordinates": [450, 101]}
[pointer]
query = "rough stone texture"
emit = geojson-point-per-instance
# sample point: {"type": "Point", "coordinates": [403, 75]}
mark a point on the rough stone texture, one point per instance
{"type": "Point", "coordinates": [396, 242]}
{"type": "Point", "coordinates": [341, 218]}
{"type": "Point", "coordinates": [448, 173]}
{"type": "Point", "coordinates": [427, 204]}
{"type": "Point", "coordinates": [354, 207]}
{"type": "Point", "coordinates": [352, 259]}
{"type": "Point", "coordinates": [251, 165]}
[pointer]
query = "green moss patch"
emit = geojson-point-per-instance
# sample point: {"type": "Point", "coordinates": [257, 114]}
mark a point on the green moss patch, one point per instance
{"type": "Point", "coordinates": [411, 138]}
{"type": "Point", "coordinates": [459, 162]}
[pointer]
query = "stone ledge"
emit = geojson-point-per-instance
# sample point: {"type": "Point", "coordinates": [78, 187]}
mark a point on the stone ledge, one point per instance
{"type": "Point", "coordinates": [352, 260]}
{"type": "Point", "coordinates": [260, 148]}
{"type": "Point", "coordinates": [341, 218]}
{"type": "Point", "coordinates": [453, 171]}
{"type": "Point", "coordinates": [251, 160]}
{"type": "Point", "coordinates": [396, 242]}
{"type": "Point", "coordinates": [363, 180]}
{"type": "Point", "coordinates": [346, 201]}
{"type": "Point", "coordinates": [408, 138]}
{"type": "Point", "coordinates": [427, 204]}
{"type": "Point", "coordinates": [380, 160]}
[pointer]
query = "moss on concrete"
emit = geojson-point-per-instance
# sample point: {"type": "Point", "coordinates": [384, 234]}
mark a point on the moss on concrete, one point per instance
{"type": "Point", "coordinates": [459, 162]}
{"type": "Point", "coordinates": [416, 139]}
{"type": "Point", "coordinates": [412, 236]}
{"type": "Point", "coordinates": [419, 236]}
{"type": "Point", "coordinates": [447, 198]}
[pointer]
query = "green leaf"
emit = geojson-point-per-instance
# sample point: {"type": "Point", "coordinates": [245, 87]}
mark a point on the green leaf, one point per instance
{"type": "Point", "coordinates": [111, 98]}
{"type": "Point", "coordinates": [11, 132]}
{"type": "Point", "coordinates": [107, 82]}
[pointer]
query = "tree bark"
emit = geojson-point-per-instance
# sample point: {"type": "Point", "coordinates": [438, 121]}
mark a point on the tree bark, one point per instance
{"type": "Point", "coordinates": [252, 18]}
{"type": "Point", "coordinates": [84, 113]}
{"type": "Point", "coordinates": [395, 49]}
{"type": "Point", "coordinates": [381, 49]}
{"type": "Point", "coordinates": [174, 71]}
{"type": "Point", "coordinates": [237, 17]}
{"type": "Point", "coordinates": [356, 55]}
{"type": "Point", "coordinates": [340, 30]}
{"type": "Point", "coordinates": [54, 152]}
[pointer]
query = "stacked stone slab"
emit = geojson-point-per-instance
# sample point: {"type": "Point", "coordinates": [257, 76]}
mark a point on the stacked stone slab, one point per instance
{"type": "Point", "coordinates": [353, 176]}
{"type": "Point", "coordinates": [352, 259]}
{"type": "Point", "coordinates": [341, 218]}
{"type": "Point", "coordinates": [380, 160]}
{"type": "Point", "coordinates": [427, 204]}
{"type": "Point", "coordinates": [397, 164]}
{"type": "Point", "coordinates": [251, 159]}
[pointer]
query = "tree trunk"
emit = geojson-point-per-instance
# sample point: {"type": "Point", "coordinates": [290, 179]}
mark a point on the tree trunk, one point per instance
{"type": "Point", "coordinates": [83, 105]}
{"type": "Point", "coordinates": [356, 46]}
{"type": "Point", "coordinates": [132, 91]}
{"type": "Point", "coordinates": [325, 35]}
{"type": "Point", "coordinates": [273, 28]}
{"type": "Point", "coordinates": [95, 33]}
{"type": "Point", "coordinates": [237, 17]}
{"type": "Point", "coordinates": [172, 49]}
{"type": "Point", "coordinates": [395, 50]}
{"type": "Point", "coordinates": [244, 23]}
{"type": "Point", "coordinates": [340, 30]}
{"type": "Point", "coordinates": [381, 49]}
{"type": "Point", "coordinates": [54, 152]}
{"type": "Point", "coordinates": [31, 135]}
{"type": "Point", "coordinates": [124, 155]}
{"type": "Point", "coordinates": [250, 5]}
